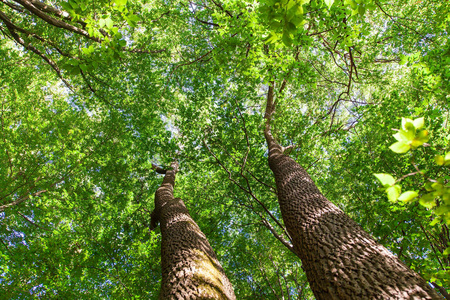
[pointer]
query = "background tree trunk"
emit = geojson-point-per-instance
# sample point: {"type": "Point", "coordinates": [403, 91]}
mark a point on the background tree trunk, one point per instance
{"type": "Point", "coordinates": [190, 269]}
{"type": "Point", "coordinates": [340, 259]}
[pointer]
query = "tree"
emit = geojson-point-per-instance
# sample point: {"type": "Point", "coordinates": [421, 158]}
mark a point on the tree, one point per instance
{"type": "Point", "coordinates": [340, 259]}
{"type": "Point", "coordinates": [190, 268]}
{"type": "Point", "coordinates": [95, 95]}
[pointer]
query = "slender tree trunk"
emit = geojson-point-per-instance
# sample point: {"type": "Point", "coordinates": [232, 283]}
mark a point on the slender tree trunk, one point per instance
{"type": "Point", "coordinates": [190, 269]}
{"type": "Point", "coordinates": [340, 259]}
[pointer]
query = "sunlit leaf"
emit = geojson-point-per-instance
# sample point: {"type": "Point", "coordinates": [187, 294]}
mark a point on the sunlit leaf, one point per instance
{"type": "Point", "coordinates": [439, 159]}
{"type": "Point", "coordinates": [419, 123]}
{"type": "Point", "coordinates": [427, 200]}
{"type": "Point", "coordinates": [393, 192]}
{"type": "Point", "coordinates": [385, 179]}
{"type": "Point", "coordinates": [329, 3]}
{"type": "Point", "coordinates": [400, 147]}
{"type": "Point", "coordinates": [408, 196]}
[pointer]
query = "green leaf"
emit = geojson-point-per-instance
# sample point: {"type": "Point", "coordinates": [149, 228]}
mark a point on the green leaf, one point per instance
{"type": "Point", "coordinates": [442, 209]}
{"type": "Point", "coordinates": [329, 3]}
{"type": "Point", "coordinates": [439, 159]}
{"type": "Point", "coordinates": [290, 27]}
{"type": "Point", "coordinates": [403, 59]}
{"type": "Point", "coordinates": [74, 70]}
{"type": "Point", "coordinates": [134, 18]}
{"type": "Point", "coordinates": [400, 147]}
{"type": "Point", "coordinates": [446, 251]}
{"type": "Point", "coordinates": [427, 200]}
{"type": "Point", "coordinates": [109, 23]}
{"type": "Point", "coordinates": [66, 6]}
{"type": "Point", "coordinates": [361, 10]}
{"type": "Point", "coordinates": [408, 196]}
{"type": "Point", "coordinates": [399, 137]}
{"type": "Point", "coordinates": [73, 62]}
{"type": "Point", "coordinates": [298, 10]}
{"type": "Point", "coordinates": [83, 6]}
{"type": "Point", "coordinates": [275, 24]}
{"type": "Point", "coordinates": [428, 187]}
{"type": "Point", "coordinates": [447, 159]}
{"type": "Point", "coordinates": [405, 136]}
{"type": "Point", "coordinates": [83, 67]}
{"type": "Point", "coordinates": [385, 179]}
{"type": "Point", "coordinates": [393, 192]}
{"type": "Point", "coordinates": [352, 3]}
{"type": "Point", "coordinates": [73, 4]}
{"type": "Point", "coordinates": [297, 21]}
{"type": "Point", "coordinates": [117, 34]}
{"type": "Point", "coordinates": [407, 124]}
{"type": "Point", "coordinates": [421, 138]}
{"type": "Point", "coordinates": [419, 123]}
{"type": "Point", "coordinates": [290, 4]}
{"type": "Point", "coordinates": [87, 51]}
{"type": "Point", "coordinates": [120, 2]}
{"type": "Point", "coordinates": [435, 221]}
{"type": "Point", "coordinates": [272, 38]}
{"type": "Point", "coordinates": [286, 39]}
{"type": "Point", "coordinates": [437, 186]}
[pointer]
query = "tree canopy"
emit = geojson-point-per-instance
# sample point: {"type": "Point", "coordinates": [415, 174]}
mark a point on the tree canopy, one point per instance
{"type": "Point", "coordinates": [96, 95]}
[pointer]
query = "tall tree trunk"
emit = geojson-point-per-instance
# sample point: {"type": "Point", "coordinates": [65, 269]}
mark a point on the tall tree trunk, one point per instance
{"type": "Point", "coordinates": [190, 269]}
{"type": "Point", "coordinates": [340, 259]}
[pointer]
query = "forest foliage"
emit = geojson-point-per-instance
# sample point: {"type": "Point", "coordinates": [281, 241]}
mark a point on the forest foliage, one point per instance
{"type": "Point", "coordinates": [93, 94]}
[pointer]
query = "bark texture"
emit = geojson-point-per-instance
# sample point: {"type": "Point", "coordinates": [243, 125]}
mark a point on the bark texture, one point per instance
{"type": "Point", "coordinates": [190, 269]}
{"type": "Point", "coordinates": [340, 259]}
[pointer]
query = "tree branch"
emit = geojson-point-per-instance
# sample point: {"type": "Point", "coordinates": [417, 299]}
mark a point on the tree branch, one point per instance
{"type": "Point", "coordinates": [158, 169]}
{"type": "Point", "coordinates": [12, 30]}
{"type": "Point", "coordinates": [55, 22]}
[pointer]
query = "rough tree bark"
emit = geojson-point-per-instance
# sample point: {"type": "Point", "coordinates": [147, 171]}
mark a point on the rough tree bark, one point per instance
{"type": "Point", "coordinates": [190, 269]}
{"type": "Point", "coordinates": [340, 259]}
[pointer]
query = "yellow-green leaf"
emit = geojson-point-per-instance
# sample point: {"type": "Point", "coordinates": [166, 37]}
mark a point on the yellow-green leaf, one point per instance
{"type": "Point", "coordinates": [439, 159]}
{"type": "Point", "coordinates": [421, 138]}
{"type": "Point", "coordinates": [427, 200]}
{"type": "Point", "coordinates": [419, 122]}
{"type": "Point", "coordinates": [290, 4]}
{"type": "Point", "coordinates": [398, 137]}
{"type": "Point", "coordinates": [435, 221]}
{"type": "Point", "coordinates": [447, 159]}
{"type": "Point", "coordinates": [400, 147]}
{"type": "Point", "coordinates": [272, 38]}
{"type": "Point", "coordinates": [120, 2]}
{"type": "Point", "coordinates": [406, 136]}
{"type": "Point", "coordinates": [109, 23]}
{"type": "Point", "coordinates": [385, 179]}
{"type": "Point", "coordinates": [408, 196]}
{"type": "Point", "coordinates": [329, 3]}
{"type": "Point", "coordinates": [441, 210]}
{"type": "Point", "coordinates": [393, 192]}
{"type": "Point", "coordinates": [407, 124]}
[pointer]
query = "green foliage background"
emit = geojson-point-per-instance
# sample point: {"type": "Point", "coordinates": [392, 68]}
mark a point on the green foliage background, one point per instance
{"type": "Point", "coordinates": [84, 117]}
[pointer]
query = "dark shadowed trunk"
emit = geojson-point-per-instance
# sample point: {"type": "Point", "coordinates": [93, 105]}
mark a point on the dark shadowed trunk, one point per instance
{"type": "Point", "coordinates": [340, 259]}
{"type": "Point", "coordinates": [190, 269]}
